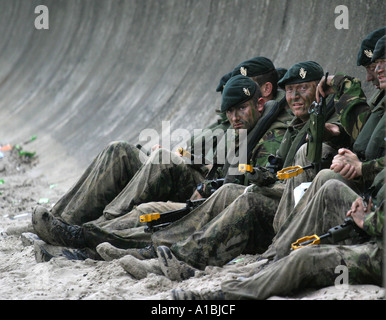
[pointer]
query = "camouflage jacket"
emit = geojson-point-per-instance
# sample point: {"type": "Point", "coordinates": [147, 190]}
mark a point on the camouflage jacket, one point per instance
{"type": "Point", "coordinates": [363, 121]}
{"type": "Point", "coordinates": [268, 143]}
{"type": "Point", "coordinates": [374, 221]}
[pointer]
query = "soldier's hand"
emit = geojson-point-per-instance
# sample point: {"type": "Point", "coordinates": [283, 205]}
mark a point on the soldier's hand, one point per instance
{"type": "Point", "coordinates": [328, 91]}
{"type": "Point", "coordinates": [359, 209]}
{"type": "Point", "coordinates": [347, 164]}
{"type": "Point", "coordinates": [330, 130]}
{"type": "Point", "coordinates": [196, 196]}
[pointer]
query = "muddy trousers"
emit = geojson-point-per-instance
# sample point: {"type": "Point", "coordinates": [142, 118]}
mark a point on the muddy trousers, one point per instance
{"type": "Point", "coordinates": [311, 267]}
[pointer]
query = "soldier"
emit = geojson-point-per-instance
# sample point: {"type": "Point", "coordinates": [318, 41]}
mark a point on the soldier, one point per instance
{"type": "Point", "coordinates": [379, 60]}
{"type": "Point", "coordinates": [356, 167]}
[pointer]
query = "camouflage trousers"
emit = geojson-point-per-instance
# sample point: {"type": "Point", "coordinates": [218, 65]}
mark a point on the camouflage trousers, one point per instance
{"type": "Point", "coordinates": [127, 232]}
{"type": "Point", "coordinates": [103, 180]}
{"type": "Point", "coordinates": [243, 226]}
{"type": "Point", "coordinates": [323, 206]}
{"type": "Point", "coordinates": [116, 181]}
{"type": "Point", "coordinates": [313, 266]}
{"type": "Point", "coordinates": [287, 202]}
{"type": "Point", "coordinates": [228, 224]}
{"type": "Point", "coordinates": [310, 267]}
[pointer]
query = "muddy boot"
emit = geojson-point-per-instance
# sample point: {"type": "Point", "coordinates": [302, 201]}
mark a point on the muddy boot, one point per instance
{"type": "Point", "coordinates": [108, 252]}
{"type": "Point", "coordinates": [139, 269]}
{"type": "Point", "coordinates": [95, 235]}
{"type": "Point", "coordinates": [55, 231]}
{"type": "Point", "coordinates": [45, 252]}
{"type": "Point", "coordinates": [172, 268]}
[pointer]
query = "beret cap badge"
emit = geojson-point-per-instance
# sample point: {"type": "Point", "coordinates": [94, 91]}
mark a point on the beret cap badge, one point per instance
{"type": "Point", "coordinates": [368, 53]}
{"type": "Point", "coordinates": [302, 73]}
{"type": "Point", "coordinates": [246, 91]}
{"type": "Point", "coordinates": [243, 71]}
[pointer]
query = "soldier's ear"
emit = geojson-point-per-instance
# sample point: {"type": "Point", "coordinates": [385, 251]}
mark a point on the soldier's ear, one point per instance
{"type": "Point", "coordinates": [260, 104]}
{"type": "Point", "coordinates": [266, 89]}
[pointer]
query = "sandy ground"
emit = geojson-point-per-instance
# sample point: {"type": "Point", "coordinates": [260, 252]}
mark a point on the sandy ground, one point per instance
{"type": "Point", "coordinates": [22, 278]}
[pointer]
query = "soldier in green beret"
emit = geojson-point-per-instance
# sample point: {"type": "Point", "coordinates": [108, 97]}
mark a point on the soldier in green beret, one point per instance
{"type": "Point", "coordinates": [363, 122]}
{"type": "Point", "coordinates": [379, 60]}
{"type": "Point", "coordinates": [365, 55]}
{"type": "Point", "coordinates": [263, 72]}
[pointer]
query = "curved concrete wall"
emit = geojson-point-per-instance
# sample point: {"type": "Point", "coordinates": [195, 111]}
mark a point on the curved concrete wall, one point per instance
{"type": "Point", "coordinates": [107, 69]}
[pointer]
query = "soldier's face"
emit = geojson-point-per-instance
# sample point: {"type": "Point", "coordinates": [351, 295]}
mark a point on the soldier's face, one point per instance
{"type": "Point", "coordinates": [245, 116]}
{"type": "Point", "coordinates": [299, 97]}
{"type": "Point", "coordinates": [380, 69]}
{"type": "Point", "coordinates": [371, 75]}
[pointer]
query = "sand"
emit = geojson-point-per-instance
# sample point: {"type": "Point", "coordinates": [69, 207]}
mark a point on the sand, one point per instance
{"type": "Point", "coordinates": [22, 278]}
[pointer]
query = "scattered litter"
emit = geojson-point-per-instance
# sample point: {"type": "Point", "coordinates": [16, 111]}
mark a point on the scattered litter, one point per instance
{"type": "Point", "coordinates": [52, 186]}
{"type": "Point", "coordinates": [236, 260]}
{"type": "Point", "coordinates": [27, 154]}
{"type": "Point", "coordinates": [2, 181]}
{"type": "Point", "coordinates": [1, 155]}
{"type": "Point", "coordinates": [44, 200]}
{"type": "Point", "coordinates": [31, 139]}
{"type": "Point", "coordinates": [7, 147]}
{"type": "Point", "coordinates": [21, 216]}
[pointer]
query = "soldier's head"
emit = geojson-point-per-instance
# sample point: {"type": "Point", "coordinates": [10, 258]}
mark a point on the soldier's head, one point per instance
{"type": "Point", "coordinates": [242, 102]}
{"type": "Point", "coordinates": [224, 79]}
{"type": "Point", "coordinates": [299, 83]}
{"type": "Point", "coordinates": [379, 58]}
{"type": "Point", "coordinates": [366, 52]}
{"type": "Point", "coordinates": [263, 72]}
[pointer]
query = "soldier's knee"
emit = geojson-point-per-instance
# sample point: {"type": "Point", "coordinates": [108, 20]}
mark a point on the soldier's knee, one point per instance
{"type": "Point", "coordinates": [232, 188]}
{"type": "Point", "coordinates": [325, 175]}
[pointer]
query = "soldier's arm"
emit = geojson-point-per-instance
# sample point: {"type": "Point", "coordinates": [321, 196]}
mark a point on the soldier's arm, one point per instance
{"type": "Point", "coordinates": [267, 146]}
{"type": "Point", "coordinates": [350, 103]}
{"type": "Point", "coordinates": [371, 168]}
{"type": "Point", "coordinates": [374, 222]}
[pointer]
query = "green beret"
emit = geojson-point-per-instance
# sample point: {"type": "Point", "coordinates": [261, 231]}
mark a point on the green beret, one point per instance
{"type": "Point", "coordinates": [281, 72]}
{"type": "Point", "coordinates": [379, 51]}
{"type": "Point", "coordinates": [367, 47]}
{"type": "Point", "coordinates": [254, 67]}
{"type": "Point", "coordinates": [302, 72]}
{"type": "Point", "coordinates": [223, 81]}
{"type": "Point", "coordinates": [239, 89]}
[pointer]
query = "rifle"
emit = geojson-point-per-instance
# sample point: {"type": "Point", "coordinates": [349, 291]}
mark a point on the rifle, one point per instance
{"type": "Point", "coordinates": [348, 229]}
{"type": "Point", "coordinates": [156, 221]}
{"type": "Point", "coordinates": [319, 113]}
